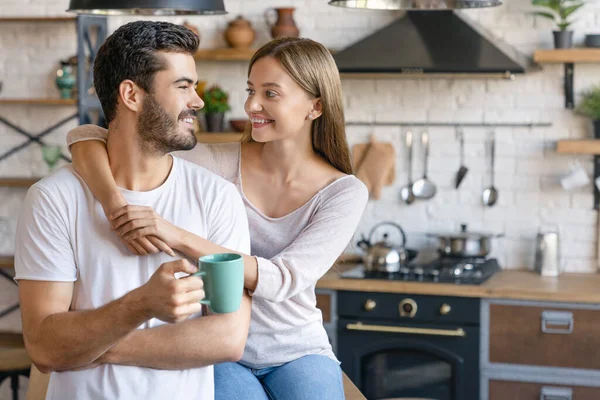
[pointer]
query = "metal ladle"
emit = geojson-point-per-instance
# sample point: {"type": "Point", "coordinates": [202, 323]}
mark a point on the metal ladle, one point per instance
{"type": "Point", "coordinates": [406, 193]}
{"type": "Point", "coordinates": [424, 188]}
{"type": "Point", "coordinates": [490, 194]}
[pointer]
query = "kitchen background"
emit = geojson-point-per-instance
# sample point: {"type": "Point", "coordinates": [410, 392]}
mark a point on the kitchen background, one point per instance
{"type": "Point", "coordinates": [528, 170]}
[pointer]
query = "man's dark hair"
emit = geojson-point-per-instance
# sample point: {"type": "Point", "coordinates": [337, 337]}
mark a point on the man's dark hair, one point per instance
{"type": "Point", "coordinates": [130, 53]}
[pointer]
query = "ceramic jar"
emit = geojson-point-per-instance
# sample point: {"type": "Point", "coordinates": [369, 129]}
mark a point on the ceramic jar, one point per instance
{"type": "Point", "coordinates": [192, 28]}
{"type": "Point", "coordinates": [239, 33]}
{"type": "Point", "coordinates": [65, 81]}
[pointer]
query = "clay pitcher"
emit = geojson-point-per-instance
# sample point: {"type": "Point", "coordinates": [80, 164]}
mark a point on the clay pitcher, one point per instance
{"type": "Point", "coordinates": [285, 26]}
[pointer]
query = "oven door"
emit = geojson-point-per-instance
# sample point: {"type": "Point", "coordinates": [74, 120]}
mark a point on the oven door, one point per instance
{"type": "Point", "coordinates": [395, 361]}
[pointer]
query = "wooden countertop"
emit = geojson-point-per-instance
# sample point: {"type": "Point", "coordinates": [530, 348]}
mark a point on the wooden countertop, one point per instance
{"type": "Point", "coordinates": [7, 261]}
{"type": "Point", "coordinates": [351, 391]}
{"type": "Point", "coordinates": [508, 284]}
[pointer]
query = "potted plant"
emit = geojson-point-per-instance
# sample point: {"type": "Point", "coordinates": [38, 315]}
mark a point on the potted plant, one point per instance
{"type": "Point", "coordinates": [590, 107]}
{"type": "Point", "coordinates": [216, 104]}
{"type": "Point", "coordinates": [560, 12]}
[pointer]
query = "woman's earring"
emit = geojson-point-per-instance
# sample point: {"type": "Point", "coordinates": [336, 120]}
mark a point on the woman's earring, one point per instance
{"type": "Point", "coordinates": [310, 116]}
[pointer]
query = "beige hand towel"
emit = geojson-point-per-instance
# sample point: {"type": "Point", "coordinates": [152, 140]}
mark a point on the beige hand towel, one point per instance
{"type": "Point", "coordinates": [374, 164]}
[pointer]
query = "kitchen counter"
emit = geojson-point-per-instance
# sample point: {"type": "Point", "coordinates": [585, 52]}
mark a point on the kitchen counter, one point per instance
{"type": "Point", "coordinates": [351, 391]}
{"type": "Point", "coordinates": [7, 262]}
{"type": "Point", "coordinates": [508, 284]}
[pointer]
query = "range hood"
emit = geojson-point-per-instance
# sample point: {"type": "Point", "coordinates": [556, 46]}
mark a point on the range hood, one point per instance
{"type": "Point", "coordinates": [437, 43]}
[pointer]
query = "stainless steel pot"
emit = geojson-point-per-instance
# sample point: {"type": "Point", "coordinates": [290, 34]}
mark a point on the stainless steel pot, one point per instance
{"type": "Point", "coordinates": [383, 256]}
{"type": "Point", "coordinates": [464, 243]}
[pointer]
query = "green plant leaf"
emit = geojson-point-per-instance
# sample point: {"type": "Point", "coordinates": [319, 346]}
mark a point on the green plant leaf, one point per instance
{"type": "Point", "coordinates": [563, 26]}
{"type": "Point", "coordinates": [589, 105]}
{"type": "Point", "coordinates": [570, 10]}
{"type": "Point", "coordinates": [215, 100]}
{"type": "Point", "coordinates": [556, 4]}
{"type": "Point", "coordinates": [546, 15]}
{"type": "Point", "coordinates": [541, 3]}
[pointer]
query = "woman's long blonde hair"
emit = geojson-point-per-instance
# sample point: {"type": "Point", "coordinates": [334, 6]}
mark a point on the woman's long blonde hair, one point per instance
{"type": "Point", "coordinates": [312, 67]}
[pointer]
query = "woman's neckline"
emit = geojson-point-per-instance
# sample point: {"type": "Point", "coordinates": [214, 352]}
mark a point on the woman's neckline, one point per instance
{"type": "Point", "coordinates": [260, 212]}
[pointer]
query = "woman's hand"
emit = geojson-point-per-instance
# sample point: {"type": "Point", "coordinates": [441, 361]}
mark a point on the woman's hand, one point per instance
{"type": "Point", "coordinates": [134, 223]}
{"type": "Point", "coordinates": [143, 245]}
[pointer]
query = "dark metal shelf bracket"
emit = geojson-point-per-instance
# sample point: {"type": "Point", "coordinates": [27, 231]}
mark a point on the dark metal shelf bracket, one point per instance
{"type": "Point", "coordinates": [569, 89]}
{"type": "Point", "coordinates": [91, 33]}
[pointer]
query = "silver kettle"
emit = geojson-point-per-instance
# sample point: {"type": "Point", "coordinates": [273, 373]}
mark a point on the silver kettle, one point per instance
{"type": "Point", "coordinates": [383, 256]}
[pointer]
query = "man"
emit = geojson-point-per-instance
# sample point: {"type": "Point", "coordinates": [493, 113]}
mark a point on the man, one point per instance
{"type": "Point", "coordinates": [81, 291]}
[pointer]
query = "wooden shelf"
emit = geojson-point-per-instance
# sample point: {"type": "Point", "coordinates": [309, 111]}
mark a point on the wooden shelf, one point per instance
{"type": "Point", "coordinates": [7, 261]}
{"type": "Point", "coordinates": [219, 137]}
{"type": "Point", "coordinates": [38, 19]}
{"type": "Point", "coordinates": [18, 182]}
{"type": "Point", "coordinates": [11, 339]}
{"type": "Point", "coordinates": [40, 102]}
{"type": "Point", "coordinates": [562, 56]}
{"type": "Point", "coordinates": [225, 54]}
{"type": "Point", "coordinates": [568, 57]}
{"type": "Point", "coordinates": [585, 146]}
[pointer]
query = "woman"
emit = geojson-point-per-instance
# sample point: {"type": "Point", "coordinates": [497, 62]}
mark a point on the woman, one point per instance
{"type": "Point", "coordinates": [293, 172]}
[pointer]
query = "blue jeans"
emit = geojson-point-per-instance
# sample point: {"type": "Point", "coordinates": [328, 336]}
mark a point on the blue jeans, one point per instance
{"type": "Point", "coordinates": [311, 377]}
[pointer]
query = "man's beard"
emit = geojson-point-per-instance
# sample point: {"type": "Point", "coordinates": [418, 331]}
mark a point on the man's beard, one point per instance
{"type": "Point", "coordinates": [159, 133]}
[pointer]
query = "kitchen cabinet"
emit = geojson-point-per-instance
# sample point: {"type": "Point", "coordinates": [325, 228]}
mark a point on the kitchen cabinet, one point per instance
{"type": "Point", "coordinates": [539, 350]}
{"type": "Point", "coordinates": [528, 335]}
{"type": "Point", "coordinates": [503, 390]}
{"type": "Point", "coordinates": [538, 337]}
{"type": "Point", "coordinates": [327, 303]}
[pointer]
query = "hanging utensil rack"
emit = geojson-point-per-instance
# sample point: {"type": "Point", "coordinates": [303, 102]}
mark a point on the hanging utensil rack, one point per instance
{"type": "Point", "coordinates": [455, 124]}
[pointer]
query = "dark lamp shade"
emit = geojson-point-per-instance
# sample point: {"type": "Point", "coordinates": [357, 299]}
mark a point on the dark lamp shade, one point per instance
{"type": "Point", "coordinates": [414, 4]}
{"type": "Point", "coordinates": [147, 7]}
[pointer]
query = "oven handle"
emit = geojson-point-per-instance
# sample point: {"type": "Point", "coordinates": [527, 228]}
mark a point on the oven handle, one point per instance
{"type": "Point", "coordinates": [359, 326]}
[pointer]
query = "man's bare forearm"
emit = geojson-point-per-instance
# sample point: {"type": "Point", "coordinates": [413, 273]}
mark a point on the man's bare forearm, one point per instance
{"type": "Point", "coordinates": [70, 340]}
{"type": "Point", "coordinates": [194, 343]}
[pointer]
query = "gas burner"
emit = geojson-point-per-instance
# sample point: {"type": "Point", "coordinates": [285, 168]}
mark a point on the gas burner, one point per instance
{"type": "Point", "coordinates": [471, 271]}
{"type": "Point", "coordinates": [457, 270]}
{"type": "Point", "coordinates": [433, 272]}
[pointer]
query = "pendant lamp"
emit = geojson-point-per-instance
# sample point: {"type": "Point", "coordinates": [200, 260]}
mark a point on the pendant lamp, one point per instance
{"type": "Point", "coordinates": [147, 7]}
{"type": "Point", "coordinates": [414, 4]}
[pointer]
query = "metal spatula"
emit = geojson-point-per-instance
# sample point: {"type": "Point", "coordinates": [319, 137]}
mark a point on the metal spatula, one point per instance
{"type": "Point", "coordinates": [462, 171]}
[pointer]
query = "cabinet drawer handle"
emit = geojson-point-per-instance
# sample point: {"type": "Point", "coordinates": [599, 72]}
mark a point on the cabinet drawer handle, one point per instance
{"type": "Point", "coordinates": [560, 322]}
{"type": "Point", "coordinates": [359, 326]}
{"type": "Point", "coordinates": [556, 393]}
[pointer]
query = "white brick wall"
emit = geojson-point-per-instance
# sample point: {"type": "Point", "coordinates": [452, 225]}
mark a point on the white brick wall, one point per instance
{"type": "Point", "coordinates": [527, 169]}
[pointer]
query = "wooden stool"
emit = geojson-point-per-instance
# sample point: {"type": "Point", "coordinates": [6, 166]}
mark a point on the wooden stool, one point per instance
{"type": "Point", "coordinates": [14, 360]}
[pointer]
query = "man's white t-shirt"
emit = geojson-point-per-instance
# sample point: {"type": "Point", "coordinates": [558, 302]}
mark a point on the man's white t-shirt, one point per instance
{"type": "Point", "coordinates": [63, 235]}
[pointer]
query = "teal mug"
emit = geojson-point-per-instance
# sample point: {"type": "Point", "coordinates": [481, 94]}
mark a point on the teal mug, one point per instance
{"type": "Point", "coordinates": [223, 276]}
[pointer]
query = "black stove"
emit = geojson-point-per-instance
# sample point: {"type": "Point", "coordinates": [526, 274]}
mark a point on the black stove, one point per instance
{"type": "Point", "coordinates": [467, 271]}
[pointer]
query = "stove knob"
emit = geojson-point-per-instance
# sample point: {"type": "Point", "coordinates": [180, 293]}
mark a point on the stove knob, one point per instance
{"type": "Point", "coordinates": [370, 305]}
{"type": "Point", "coordinates": [445, 309]}
{"type": "Point", "coordinates": [407, 308]}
